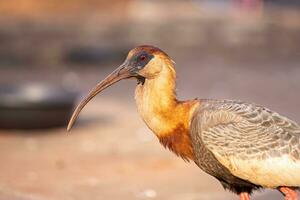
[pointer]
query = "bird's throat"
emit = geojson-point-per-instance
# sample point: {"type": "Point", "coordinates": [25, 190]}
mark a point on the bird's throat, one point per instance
{"type": "Point", "coordinates": [167, 117]}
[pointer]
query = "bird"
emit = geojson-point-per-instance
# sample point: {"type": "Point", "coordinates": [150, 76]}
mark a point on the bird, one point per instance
{"type": "Point", "coordinates": [245, 146]}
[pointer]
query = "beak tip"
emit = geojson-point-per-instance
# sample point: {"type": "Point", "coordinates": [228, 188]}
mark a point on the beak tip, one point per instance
{"type": "Point", "coordinates": [69, 127]}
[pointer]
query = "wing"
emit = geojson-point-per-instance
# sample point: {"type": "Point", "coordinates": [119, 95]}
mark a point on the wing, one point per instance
{"type": "Point", "coordinates": [252, 142]}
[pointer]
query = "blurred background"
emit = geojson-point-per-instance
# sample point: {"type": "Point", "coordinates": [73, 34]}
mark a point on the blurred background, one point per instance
{"type": "Point", "coordinates": [52, 52]}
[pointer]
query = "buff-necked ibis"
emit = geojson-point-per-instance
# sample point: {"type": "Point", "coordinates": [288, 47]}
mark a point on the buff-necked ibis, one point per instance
{"type": "Point", "coordinates": [245, 146]}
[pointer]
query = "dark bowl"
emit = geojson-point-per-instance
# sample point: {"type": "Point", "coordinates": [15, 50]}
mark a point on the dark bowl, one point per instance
{"type": "Point", "coordinates": [35, 106]}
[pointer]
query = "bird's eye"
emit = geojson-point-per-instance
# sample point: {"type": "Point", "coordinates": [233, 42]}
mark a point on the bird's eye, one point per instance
{"type": "Point", "coordinates": [142, 57]}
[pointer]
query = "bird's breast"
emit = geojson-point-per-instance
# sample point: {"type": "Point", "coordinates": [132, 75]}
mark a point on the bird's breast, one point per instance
{"type": "Point", "coordinates": [168, 120]}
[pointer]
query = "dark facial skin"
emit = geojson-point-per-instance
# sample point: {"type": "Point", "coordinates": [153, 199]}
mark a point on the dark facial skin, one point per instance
{"type": "Point", "coordinates": [139, 61]}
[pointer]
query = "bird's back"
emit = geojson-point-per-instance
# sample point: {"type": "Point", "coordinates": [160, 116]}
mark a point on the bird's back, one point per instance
{"type": "Point", "coordinates": [252, 142]}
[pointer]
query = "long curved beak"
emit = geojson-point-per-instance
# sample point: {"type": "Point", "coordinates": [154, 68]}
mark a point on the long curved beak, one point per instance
{"type": "Point", "coordinates": [122, 72]}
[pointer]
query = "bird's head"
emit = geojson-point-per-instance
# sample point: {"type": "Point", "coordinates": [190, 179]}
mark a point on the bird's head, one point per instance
{"type": "Point", "coordinates": [142, 62]}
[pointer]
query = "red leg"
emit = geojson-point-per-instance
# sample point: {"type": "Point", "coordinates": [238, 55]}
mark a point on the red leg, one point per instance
{"type": "Point", "coordinates": [244, 196]}
{"type": "Point", "coordinates": [289, 193]}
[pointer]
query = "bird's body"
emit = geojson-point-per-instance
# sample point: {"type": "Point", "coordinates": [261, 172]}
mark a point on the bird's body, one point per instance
{"type": "Point", "coordinates": [249, 141]}
{"type": "Point", "coordinates": [243, 145]}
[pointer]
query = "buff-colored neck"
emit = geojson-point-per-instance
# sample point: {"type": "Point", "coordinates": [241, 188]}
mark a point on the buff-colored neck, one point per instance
{"type": "Point", "coordinates": [167, 117]}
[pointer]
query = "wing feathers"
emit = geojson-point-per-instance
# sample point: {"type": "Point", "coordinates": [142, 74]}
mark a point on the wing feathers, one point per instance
{"type": "Point", "coordinates": [254, 143]}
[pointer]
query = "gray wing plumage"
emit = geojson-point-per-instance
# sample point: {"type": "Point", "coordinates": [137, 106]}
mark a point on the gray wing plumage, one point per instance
{"type": "Point", "coordinates": [253, 142]}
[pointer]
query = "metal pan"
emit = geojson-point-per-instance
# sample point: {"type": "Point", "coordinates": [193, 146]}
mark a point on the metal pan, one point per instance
{"type": "Point", "coordinates": [35, 106]}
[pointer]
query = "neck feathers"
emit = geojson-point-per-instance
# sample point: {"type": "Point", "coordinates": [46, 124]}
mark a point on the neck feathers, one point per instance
{"type": "Point", "coordinates": [167, 117]}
